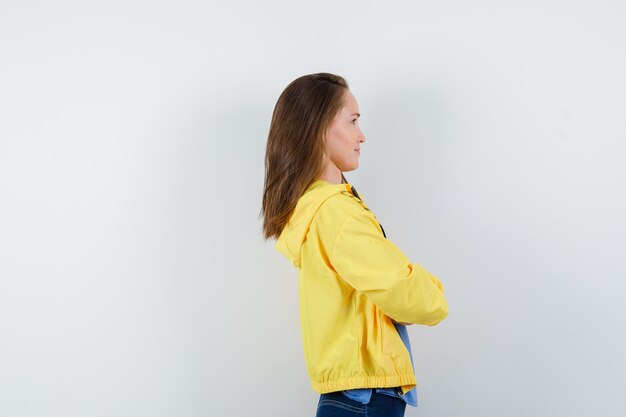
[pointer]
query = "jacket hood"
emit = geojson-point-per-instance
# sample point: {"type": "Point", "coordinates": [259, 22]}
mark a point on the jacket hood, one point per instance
{"type": "Point", "coordinates": [293, 235]}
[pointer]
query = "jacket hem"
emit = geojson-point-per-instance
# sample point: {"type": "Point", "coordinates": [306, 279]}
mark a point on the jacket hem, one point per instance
{"type": "Point", "coordinates": [406, 382]}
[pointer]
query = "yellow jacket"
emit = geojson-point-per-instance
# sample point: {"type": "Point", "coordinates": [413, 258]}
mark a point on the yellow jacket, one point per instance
{"type": "Point", "coordinates": [352, 282]}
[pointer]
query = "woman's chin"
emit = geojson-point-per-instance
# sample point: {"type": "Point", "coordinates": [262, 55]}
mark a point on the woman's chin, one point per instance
{"type": "Point", "coordinates": [350, 167]}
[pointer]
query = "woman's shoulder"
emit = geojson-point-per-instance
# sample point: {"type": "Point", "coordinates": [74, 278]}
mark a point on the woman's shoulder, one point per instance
{"type": "Point", "coordinates": [345, 202]}
{"type": "Point", "coordinates": [339, 207]}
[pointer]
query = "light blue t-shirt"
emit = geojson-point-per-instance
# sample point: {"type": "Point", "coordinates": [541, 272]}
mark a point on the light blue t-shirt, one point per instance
{"type": "Point", "coordinates": [363, 395]}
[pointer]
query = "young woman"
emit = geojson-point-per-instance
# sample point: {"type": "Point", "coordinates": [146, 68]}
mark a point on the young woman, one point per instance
{"type": "Point", "coordinates": [357, 290]}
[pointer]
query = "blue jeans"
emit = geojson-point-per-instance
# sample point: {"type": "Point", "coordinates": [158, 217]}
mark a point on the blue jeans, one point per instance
{"type": "Point", "coordinates": [335, 404]}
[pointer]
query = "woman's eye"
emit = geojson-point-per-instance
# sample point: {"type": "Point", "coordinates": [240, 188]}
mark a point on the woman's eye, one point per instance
{"type": "Point", "coordinates": [353, 121]}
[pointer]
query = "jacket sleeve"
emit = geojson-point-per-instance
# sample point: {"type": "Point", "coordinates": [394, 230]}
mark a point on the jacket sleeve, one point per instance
{"type": "Point", "coordinates": [372, 264]}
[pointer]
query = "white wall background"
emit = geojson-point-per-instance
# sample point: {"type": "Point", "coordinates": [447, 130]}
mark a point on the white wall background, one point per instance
{"type": "Point", "coordinates": [133, 277]}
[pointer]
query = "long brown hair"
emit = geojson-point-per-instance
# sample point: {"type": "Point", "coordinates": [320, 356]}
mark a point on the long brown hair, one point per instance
{"type": "Point", "coordinates": [296, 143]}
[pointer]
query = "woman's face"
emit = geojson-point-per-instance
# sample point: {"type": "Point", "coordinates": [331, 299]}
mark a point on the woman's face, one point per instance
{"type": "Point", "coordinates": [344, 136]}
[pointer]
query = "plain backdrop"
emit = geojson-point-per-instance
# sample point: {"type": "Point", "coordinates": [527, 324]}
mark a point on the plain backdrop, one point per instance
{"type": "Point", "coordinates": [134, 280]}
